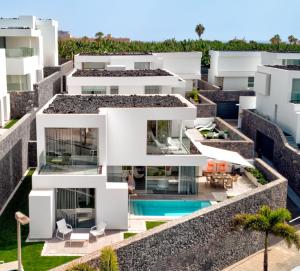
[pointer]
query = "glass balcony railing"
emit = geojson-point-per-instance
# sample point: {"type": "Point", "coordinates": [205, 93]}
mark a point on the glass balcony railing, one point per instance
{"type": "Point", "coordinates": [20, 52]}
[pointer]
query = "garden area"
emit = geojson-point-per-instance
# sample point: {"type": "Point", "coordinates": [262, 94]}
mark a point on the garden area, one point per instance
{"type": "Point", "coordinates": [31, 252]}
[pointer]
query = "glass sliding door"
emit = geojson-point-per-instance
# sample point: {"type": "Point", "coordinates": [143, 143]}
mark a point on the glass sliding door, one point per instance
{"type": "Point", "coordinates": [76, 206]}
{"type": "Point", "coordinates": [188, 180]}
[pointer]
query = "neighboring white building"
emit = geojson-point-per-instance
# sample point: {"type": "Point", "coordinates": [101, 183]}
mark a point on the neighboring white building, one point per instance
{"type": "Point", "coordinates": [30, 44]}
{"type": "Point", "coordinates": [187, 65]}
{"type": "Point", "coordinates": [89, 147]}
{"type": "Point", "coordinates": [112, 81]}
{"type": "Point", "coordinates": [278, 96]}
{"type": "Point", "coordinates": [235, 70]}
{"type": "Point", "coordinates": [4, 96]}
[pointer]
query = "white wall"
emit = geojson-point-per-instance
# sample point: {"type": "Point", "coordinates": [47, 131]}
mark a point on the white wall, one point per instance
{"type": "Point", "coordinates": [235, 83]}
{"type": "Point", "coordinates": [4, 96]}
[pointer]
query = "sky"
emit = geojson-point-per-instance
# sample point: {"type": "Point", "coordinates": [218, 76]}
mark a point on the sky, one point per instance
{"type": "Point", "coordinates": [165, 19]}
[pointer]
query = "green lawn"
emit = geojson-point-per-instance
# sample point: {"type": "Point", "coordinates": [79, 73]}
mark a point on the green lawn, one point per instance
{"type": "Point", "coordinates": [153, 224]}
{"type": "Point", "coordinates": [31, 252]}
{"type": "Point", "coordinates": [129, 234]}
{"type": "Point", "coordinates": [10, 123]}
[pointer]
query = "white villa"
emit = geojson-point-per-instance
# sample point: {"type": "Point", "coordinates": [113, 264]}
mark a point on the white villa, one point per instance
{"type": "Point", "coordinates": [185, 67]}
{"type": "Point", "coordinates": [4, 96]}
{"type": "Point", "coordinates": [94, 149]}
{"type": "Point", "coordinates": [278, 96]}
{"type": "Point", "coordinates": [235, 70]}
{"type": "Point", "coordinates": [30, 44]}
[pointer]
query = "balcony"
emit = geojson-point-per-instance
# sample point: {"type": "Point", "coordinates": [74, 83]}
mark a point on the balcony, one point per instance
{"type": "Point", "coordinates": [20, 52]}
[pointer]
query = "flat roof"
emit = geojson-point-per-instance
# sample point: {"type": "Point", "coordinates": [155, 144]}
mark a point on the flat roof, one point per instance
{"type": "Point", "coordinates": [120, 73]}
{"type": "Point", "coordinates": [115, 53]}
{"type": "Point", "coordinates": [90, 104]}
{"type": "Point", "coordinates": [285, 67]}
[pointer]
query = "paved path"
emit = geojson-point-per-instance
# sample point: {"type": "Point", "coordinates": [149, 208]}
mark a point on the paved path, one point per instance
{"type": "Point", "coordinates": [281, 258]}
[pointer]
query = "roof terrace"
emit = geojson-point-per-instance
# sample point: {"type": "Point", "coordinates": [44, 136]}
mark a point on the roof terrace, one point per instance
{"type": "Point", "coordinates": [120, 73]}
{"type": "Point", "coordinates": [90, 104]}
{"type": "Point", "coordinates": [285, 67]}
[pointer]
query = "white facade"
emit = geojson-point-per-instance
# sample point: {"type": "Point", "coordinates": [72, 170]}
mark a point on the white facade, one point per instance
{"type": "Point", "coordinates": [275, 99]}
{"type": "Point", "coordinates": [127, 84]}
{"type": "Point", "coordinates": [30, 44]}
{"type": "Point", "coordinates": [4, 96]}
{"type": "Point", "coordinates": [186, 65]}
{"type": "Point", "coordinates": [122, 140]}
{"type": "Point", "coordinates": [235, 70]}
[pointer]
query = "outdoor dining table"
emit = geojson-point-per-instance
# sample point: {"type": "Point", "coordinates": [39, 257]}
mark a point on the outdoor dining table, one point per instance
{"type": "Point", "coordinates": [221, 178]}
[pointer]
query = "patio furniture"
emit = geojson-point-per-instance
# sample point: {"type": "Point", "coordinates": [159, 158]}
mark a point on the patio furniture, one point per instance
{"type": "Point", "coordinates": [10, 266]}
{"type": "Point", "coordinates": [98, 230]}
{"type": "Point", "coordinates": [210, 168]}
{"type": "Point", "coordinates": [171, 146]}
{"type": "Point", "coordinates": [162, 186]}
{"type": "Point", "coordinates": [210, 128]}
{"type": "Point", "coordinates": [200, 126]}
{"type": "Point", "coordinates": [222, 167]}
{"type": "Point", "coordinates": [78, 237]}
{"type": "Point", "coordinates": [63, 228]}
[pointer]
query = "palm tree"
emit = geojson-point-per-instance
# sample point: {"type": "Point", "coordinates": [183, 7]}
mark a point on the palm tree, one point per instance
{"type": "Point", "coordinates": [292, 39]}
{"type": "Point", "coordinates": [199, 30]}
{"type": "Point", "coordinates": [99, 35]}
{"type": "Point", "coordinates": [275, 39]}
{"type": "Point", "coordinates": [269, 222]}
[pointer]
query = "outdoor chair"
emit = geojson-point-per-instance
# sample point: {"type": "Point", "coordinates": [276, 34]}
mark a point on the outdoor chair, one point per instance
{"type": "Point", "coordinates": [200, 126]}
{"type": "Point", "coordinates": [98, 230]}
{"type": "Point", "coordinates": [63, 228]}
{"type": "Point", "coordinates": [210, 128]}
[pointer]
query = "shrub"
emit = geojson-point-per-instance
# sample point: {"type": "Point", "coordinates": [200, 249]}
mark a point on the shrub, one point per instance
{"type": "Point", "coordinates": [108, 260]}
{"type": "Point", "coordinates": [81, 267]}
{"type": "Point", "coordinates": [258, 175]}
{"type": "Point", "coordinates": [194, 95]}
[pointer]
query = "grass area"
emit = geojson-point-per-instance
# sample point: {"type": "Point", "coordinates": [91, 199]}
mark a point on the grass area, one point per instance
{"type": "Point", "coordinates": [31, 252]}
{"type": "Point", "coordinates": [11, 123]}
{"type": "Point", "coordinates": [153, 224]}
{"type": "Point", "coordinates": [129, 234]}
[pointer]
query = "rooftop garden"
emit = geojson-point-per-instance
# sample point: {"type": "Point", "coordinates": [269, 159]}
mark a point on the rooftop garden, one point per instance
{"type": "Point", "coordinates": [31, 252]}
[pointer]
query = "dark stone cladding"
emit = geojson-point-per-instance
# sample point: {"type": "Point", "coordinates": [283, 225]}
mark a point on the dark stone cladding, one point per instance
{"type": "Point", "coordinates": [286, 159]}
{"type": "Point", "coordinates": [115, 53]}
{"type": "Point", "coordinates": [202, 241]}
{"type": "Point", "coordinates": [226, 95]}
{"type": "Point", "coordinates": [90, 104]}
{"type": "Point", "coordinates": [285, 67]}
{"type": "Point", "coordinates": [16, 155]}
{"type": "Point", "coordinates": [206, 108]}
{"type": "Point", "coordinates": [120, 73]}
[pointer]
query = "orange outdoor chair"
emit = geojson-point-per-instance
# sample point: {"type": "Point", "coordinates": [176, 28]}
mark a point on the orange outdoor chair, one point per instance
{"type": "Point", "coordinates": [222, 167]}
{"type": "Point", "coordinates": [211, 167]}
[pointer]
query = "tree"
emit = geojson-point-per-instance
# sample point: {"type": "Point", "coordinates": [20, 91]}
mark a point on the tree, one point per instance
{"type": "Point", "coordinates": [275, 39]}
{"type": "Point", "coordinates": [292, 39]}
{"type": "Point", "coordinates": [99, 35]}
{"type": "Point", "coordinates": [269, 222]}
{"type": "Point", "coordinates": [199, 30]}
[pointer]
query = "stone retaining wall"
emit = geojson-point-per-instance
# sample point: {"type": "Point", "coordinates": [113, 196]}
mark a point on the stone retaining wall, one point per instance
{"type": "Point", "coordinates": [237, 141]}
{"type": "Point", "coordinates": [226, 95]}
{"type": "Point", "coordinates": [14, 154]}
{"type": "Point", "coordinates": [202, 241]}
{"type": "Point", "coordinates": [206, 108]}
{"type": "Point", "coordinates": [286, 159]}
{"type": "Point", "coordinates": [204, 85]}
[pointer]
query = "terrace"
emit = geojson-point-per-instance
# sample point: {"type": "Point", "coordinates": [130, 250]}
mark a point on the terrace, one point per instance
{"type": "Point", "coordinates": [120, 73]}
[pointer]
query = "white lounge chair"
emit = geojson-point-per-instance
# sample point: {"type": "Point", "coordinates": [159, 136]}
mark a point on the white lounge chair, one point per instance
{"type": "Point", "coordinates": [98, 230]}
{"type": "Point", "coordinates": [211, 128]}
{"type": "Point", "coordinates": [63, 228]}
{"type": "Point", "coordinates": [199, 126]}
{"type": "Point", "coordinates": [171, 146]}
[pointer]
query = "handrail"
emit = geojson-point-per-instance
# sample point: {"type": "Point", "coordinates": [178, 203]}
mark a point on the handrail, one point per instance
{"type": "Point", "coordinates": [291, 221]}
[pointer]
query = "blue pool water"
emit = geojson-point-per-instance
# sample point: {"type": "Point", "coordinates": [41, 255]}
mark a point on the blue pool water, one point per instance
{"type": "Point", "coordinates": [166, 207]}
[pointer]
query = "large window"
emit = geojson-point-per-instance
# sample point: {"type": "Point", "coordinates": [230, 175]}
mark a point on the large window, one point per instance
{"type": "Point", "coordinates": [142, 65]}
{"type": "Point", "coordinates": [76, 206]}
{"type": "Point", "coordinates": [295, 97]}
{"type": "Point", "coordinates": [18, 82]}
{"type": "Point", "coordinates": [291, 62]}
{"type": "Point", "coordinates": [71, 148]}
{"type": "Point", "coordinates": [250, 82]}
{"type": "Point", "coordinates": [93, 90]}
{"type": "Point", "coordinates": [94, 65]}
{"type": "Point", "coordinates": [152, 90]}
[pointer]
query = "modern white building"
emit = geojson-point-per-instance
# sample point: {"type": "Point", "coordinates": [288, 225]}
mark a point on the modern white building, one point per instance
{"type": "Point", "coordinates": [278, 96]}
{"type": "Point", "coordinates": [90, 146]}
{"type": "Point", "coordinates": [235, 70]}
{"type": "Point", "coordinates": [186, 65]}
{"type": "Point", "coordinates": [112, 81]}
{"type": "Point", "coordinates": [30, 44]}
{"type": "Point", "coordinates": [4, 96]}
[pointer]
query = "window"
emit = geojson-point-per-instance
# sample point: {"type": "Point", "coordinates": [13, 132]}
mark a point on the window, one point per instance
{"type": "Point", "coordinates": [250, 82]}
{"type": "Point", "coordinates": [295, 97]}
{"type": "Point", "coordinates": [291, 62]}
{"type": "Point", "coordinates": [18, 82]}
{"type": "Point", "coordinates": [93, 90]}
{"type": "Point", "coordinates": [114, 90]}
{"type": "Point", "coordinates": [142, 65]}
{"type": "Point", "coordinates": [94, 65]}
{"type": "Point", "coordinates": [152, 89]}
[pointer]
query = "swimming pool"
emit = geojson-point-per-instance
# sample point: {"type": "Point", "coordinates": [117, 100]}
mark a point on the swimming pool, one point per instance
{"type": "Point", "coordinates": [166, 207]}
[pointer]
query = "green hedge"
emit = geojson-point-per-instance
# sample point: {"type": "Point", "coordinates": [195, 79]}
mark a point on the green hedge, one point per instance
{"type": "Point", "coordinates": [258, 175]}
{"type": "Point", "coordinates": [68, 48]}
